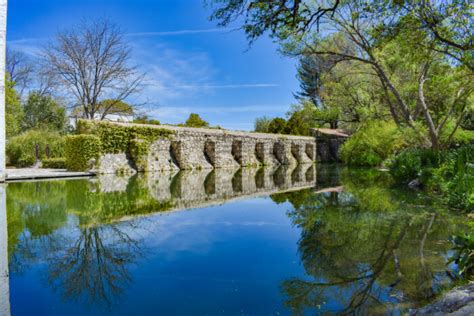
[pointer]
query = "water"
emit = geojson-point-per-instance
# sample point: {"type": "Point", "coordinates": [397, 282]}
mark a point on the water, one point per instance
{"type": "Point", "coordinates": [266, 242]}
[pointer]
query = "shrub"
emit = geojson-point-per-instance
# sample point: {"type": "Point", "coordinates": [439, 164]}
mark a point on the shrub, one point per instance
{"type": "Point", "coordinates": [26, 161]}
{"type": "Point", "coordinates": [138, 152]}
{"type": "Point", "coordinates": [54, 163]}
{"type": "Point", "coordinates": [463, 256]}
{"type": "Point", "coordinates": [194, 120]}
{"type": "Point", "coordinates": [455, 178]}
{"type": "Point", "coordinates": [21, 149]}
{"type": "Point", "coordinates": [372, 144]}
{"type": "Point", "coordinates": [116, 138]}
{"type": "Point", "coordinates": [80, 149]}
{"type": "Point", "coordinates": [449, 173]}
{"type": "Point", "coordinates": [413, 163]}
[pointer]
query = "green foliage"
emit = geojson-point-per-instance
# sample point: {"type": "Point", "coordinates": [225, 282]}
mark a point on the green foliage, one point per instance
{"type": "Point", "coordinates": [372, 144]}
{"type": "Point", "coordinates": [449, 173]}
{"type": "Point", "coordinates": [261, 124]}
{"type": "Point", "coordinates": [79, 151]}
{"type": "Point", "coordinates": [455, 178]}
{"type": "Point", "coordinates": [277, 126]}
{"type": "Point", "coordinates": [13, 110]}
{"type": "Point", "coordinates": [54, 163]}
{"type": "Point", "coordinates": [463, 247]}
{"type": "Point", "coordinates": [43, 112]}
{"type": "Point", "coordinates": [116, 138]}
{"type": "Point", "coordinates": [21, 149]}
{"type": "Point", "coordinates": [409, 164]}
{"type": "Point", "coordinates": [144, 119]}
{"type": "Point", "coordinates": [110, 106]}
{"type": "Point", "coordinates": [139, 149]}
{"type": "Point", "coordinates": [194, 120]}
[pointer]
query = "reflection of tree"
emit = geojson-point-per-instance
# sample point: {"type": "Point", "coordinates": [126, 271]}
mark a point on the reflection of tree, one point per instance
{"type": "Point", "coordinates": [92, 265]}
{"type": "Point", "coordinates": [365, 248]}
{"type": "Point", "coordinates": [95, 266]}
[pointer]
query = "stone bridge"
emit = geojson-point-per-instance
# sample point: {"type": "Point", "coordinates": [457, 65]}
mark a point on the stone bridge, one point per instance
{"type": "Point", "coordinates": [204, 148]}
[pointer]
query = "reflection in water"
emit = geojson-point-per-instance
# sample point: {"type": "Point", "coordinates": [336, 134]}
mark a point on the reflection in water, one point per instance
{"type": "Point", "coordinates": [4, 281]}
{"type": "Point", "coordinates": [95, 265]}
{"type": "Point", "coordinates": [368, 250]}
{"type": "Point", "coordinates": [89, 258]}
{"type": "Point", "coordinates": [365, 246]}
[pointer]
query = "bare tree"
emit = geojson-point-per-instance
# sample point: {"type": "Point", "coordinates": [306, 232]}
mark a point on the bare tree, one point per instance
{"type": "Point", "coordinates": [92, 61]}
{"type": "Point", "coordinates": [19, 70]}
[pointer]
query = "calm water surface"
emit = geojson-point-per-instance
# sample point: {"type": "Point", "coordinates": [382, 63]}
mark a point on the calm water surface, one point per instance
{"type": "Point", "coordinates": [266, 242]}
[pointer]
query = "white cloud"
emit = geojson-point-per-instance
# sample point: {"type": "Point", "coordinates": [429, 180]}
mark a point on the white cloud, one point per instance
{"type": "Point", "coordinates": [28, 46]}
{"type": "Point", "coordinates": [228, 86]}
{"type": "Point", "coordinates": [178, 32]}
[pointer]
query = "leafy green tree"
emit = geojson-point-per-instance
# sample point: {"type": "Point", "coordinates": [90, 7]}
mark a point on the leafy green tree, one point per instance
{"type": "Point", "coordinates": [262, 124]}
{"type": "Point", "coordinates": [144, 119]}
{"type": "Point", "coordinates": [400, 51]}
{"type": "Point", "coordinates": [13, 110]}
{"type": "Point", "coordinates": [194, 120]}
{"type": "Point", "coordinates": [277, 126]}
{"type": "Point", "coordinates": [309, 75]}
{"type": "Point", "coordinates": [42, 111]}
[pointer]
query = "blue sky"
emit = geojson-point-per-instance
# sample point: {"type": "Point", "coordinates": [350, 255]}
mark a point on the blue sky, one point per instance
{"type": "Point", "coordinates": [191, 65]}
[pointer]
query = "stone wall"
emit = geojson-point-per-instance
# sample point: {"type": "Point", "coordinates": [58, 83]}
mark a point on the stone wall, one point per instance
{"type": "Point", "coordinates": [206, 149]}
{"type": "Point", "coordinates": [328, 148]}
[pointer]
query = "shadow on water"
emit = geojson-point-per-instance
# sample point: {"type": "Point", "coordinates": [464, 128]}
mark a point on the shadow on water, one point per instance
{"type": "Point", "coordinates": [366, 246]}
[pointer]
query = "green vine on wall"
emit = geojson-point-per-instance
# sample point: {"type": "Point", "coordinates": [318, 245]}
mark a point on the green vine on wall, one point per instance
{"type": "Point", "coordinates": [134, 140]}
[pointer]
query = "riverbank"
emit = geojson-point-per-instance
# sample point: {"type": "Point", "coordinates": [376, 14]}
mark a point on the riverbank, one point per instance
{"type": "Point", "coordinates": [459, 301]}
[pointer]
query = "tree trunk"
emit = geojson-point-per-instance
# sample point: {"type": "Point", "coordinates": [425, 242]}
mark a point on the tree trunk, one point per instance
{"type": "Point", "coordinates": [398, 97]}
{"type": "Point", "coordinates": [429, 121]}
{"type": "Point", "coordinates": [3, 45]}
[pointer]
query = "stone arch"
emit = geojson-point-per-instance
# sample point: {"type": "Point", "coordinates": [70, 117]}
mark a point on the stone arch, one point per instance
{"type": "Point", "coordinates": [175, 153]}
{"type": "Point", "coordinates": [296, 151]}
{"type": "Point", "coordinates": [309, 174]}
{"type": "Point", "coordinates": [237, 150]}
{"type": "Point", "coordinates": [279, 152]}
{"type": "Point", "coordinates": [210, 152]}
{"type": "Point", "coordinates": [310, 151]}
{"type": "Point", "coordinates": [260, 152]}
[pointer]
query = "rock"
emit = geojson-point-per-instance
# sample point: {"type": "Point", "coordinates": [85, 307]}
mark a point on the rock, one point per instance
{"type": "Point", "coordinates": [414, 184]}
{"type": "Point", "coordinates": [459, 301]}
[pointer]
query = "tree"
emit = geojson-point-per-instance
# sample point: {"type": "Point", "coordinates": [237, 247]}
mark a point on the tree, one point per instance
{"type": "Point", "coordinates": [194, 120]}
{"type": "Point", "coordinates": [280, 18]}
{"type": "Point", "coordinates": [19, 70]}
{"type": "Point", "coordinates": [360, 33]}
{"type": "Point", "coordinates": [261, 124]}
{"type": "Point", "coordinates": [277, 126]}
{"type": "Point", "coordinates": [309, 75]}
{"type": "Point", "coordinates": [144, 119]}
{"type": "Point", "coordinates": [13, 110]}
{"type": "Point", "coordinates": [92, 62]}
{"type": "Point", "coordinates": [43, 112]}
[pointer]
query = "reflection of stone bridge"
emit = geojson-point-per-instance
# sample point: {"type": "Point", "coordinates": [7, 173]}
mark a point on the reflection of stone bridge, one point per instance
{"type": "Point", "coordinates": [200, 188]}
{"type": "Point", "coordinates": [203, 148]}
